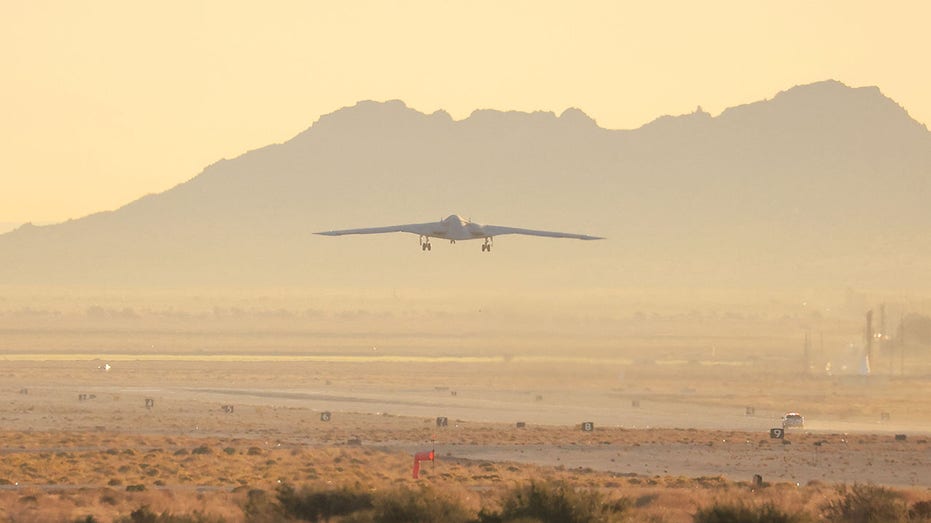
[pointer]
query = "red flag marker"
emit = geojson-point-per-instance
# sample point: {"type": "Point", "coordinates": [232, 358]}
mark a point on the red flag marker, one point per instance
{"type": "Point", "coordinates": [421, 456]}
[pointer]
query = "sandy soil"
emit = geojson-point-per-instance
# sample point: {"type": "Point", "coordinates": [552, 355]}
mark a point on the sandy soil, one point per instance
{"type": "Point", "coordinates": [393, 407]}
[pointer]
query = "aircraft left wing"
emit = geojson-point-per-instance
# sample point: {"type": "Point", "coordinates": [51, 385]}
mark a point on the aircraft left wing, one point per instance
{"type": "Point", "coordinates": [425, 229]}
{"type": "Point", "coordinates": [496, 230]}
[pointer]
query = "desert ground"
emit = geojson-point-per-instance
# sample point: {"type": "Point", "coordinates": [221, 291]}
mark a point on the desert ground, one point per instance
{"type": "Point", "coordinates": [187, 413]}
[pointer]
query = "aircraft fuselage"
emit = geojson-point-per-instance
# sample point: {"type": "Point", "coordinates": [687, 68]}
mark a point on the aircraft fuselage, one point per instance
{"type": "Point", "coordinates": [455, 228]}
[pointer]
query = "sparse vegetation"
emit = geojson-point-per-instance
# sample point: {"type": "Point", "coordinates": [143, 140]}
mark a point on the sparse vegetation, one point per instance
{"type": "Point", "coordinates": [863, 503]}
{"type": "Point", "coordinates": [556, 502]}
{"type": "Point", "coordinates": [317, 505]}
{"type": "Point", "coordinates": [743, 513]}
{"type": "Point", "coordinates": [920, 511]}
{"type": "Point", "coordinates": [144, 515]}
{"type": "Point", "coordinates": [367, 485]}
{"type": "Point", "coordinates": [537, 501]}
{"type": "Point", "coordinates": [415, 505]}
{"type": "Point", "coordinates": [556, 496]}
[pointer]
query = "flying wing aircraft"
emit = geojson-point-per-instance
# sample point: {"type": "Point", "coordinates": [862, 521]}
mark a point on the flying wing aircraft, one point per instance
{"type": "Point", "coordinates": [455, 228]}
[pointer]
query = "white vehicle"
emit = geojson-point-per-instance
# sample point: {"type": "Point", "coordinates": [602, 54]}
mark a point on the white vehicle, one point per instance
{"type": "Point", "coordinates": [793, 419]}
{"type": "Point", "coordinates": [455, 228]}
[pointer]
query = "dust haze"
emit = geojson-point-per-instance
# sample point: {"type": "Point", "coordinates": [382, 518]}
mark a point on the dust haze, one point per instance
{"type": "Point", "coordinates": [744, 254]}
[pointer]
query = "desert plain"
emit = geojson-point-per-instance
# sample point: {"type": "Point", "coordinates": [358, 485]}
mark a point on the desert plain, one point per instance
{"type": "Point", "coordinates": [108, 409]}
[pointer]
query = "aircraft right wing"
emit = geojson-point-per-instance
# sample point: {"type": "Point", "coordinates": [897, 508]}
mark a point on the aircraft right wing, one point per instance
{"type": "Point", "coordinates": [424, 229]}
{"type": "Point", "coordinates": [495, 230]}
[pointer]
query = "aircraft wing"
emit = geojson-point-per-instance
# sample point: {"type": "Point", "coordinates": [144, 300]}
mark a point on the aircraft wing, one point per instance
{"type": "Point", "coordinates": [425, 229]}
{"type": "Point", "coordinates": [496, 230]}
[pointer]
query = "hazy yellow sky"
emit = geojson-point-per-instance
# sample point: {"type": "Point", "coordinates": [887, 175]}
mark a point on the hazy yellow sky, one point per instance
{"type": "Point", "coordinates": [105, 101]}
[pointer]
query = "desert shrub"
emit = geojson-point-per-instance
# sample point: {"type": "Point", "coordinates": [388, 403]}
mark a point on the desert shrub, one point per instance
{"type": "Point", "coordinates": [864, 503]}
{"type": "Point", "coordinates": [741, 513]}
{"type": "Point", "coordinates": [87, 519]}
{"type": "Point", "coordinates": [203, 449]}
{"type": "Point", "coordinates": [920, 511]}
{"type": "Point", "coordinates": [144, 515]}
{"type": "Point", "coordinates": [254, 451]}
{"type": "Point", "coordinates": [645, 500]}
{"type": "Point", "coordinates": [556, 502]}
{"type": "Point", "coordinates": [259, 507]}
{"type": "Point", "coordinates": [135, 488]}
{"type": "Point", "coordinates": [423, 505]}
{"type": "Point", "coordinates": [321, 505]}
{"type": "Point", "coordinates": [713, 482]}
{"type": "Point", "coordinates": [230, 450]}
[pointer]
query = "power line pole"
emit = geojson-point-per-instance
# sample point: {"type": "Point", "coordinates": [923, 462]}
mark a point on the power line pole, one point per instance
{"type": "Point", "coordinates": [901, 337]}
{"type": "Point", "coordinates": [868, 335]}
{"type": "Point", "coordinates": [807, 350]}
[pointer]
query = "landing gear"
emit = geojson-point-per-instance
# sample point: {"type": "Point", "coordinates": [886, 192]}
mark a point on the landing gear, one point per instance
{"type": "Point", "coordinates": [425, 243]}
{"type": "Point", "coordinates": [486, 247]}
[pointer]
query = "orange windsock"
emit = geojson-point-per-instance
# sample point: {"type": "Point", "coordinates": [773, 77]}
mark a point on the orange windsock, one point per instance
{"type": "Point", "coordinates": [427, 455]}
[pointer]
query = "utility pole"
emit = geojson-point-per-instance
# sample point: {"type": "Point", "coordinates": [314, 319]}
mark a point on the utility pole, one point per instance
{"type": "Point", "coordinates": [868, 335]}
{"type": "Point", "coordinates": [807, 351]}
{"type": "Point", "coordinates": [901, 344]}
{"type": "Point", "coordinates": [883, 346]}
{"type": "Point", "coordinates": [821, 350]}
{"type": "Point", "coordinates": [882, 320]}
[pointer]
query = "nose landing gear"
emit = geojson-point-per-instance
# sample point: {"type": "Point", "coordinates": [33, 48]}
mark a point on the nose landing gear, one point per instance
{"type": "Point", "coordinates": [486, 247]}
{"type": "Point", "coordinates": [425, 243]}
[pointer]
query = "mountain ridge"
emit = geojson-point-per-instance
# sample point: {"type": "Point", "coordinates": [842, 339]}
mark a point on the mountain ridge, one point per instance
{"type": "Point", "coordinates": [803, 168]}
